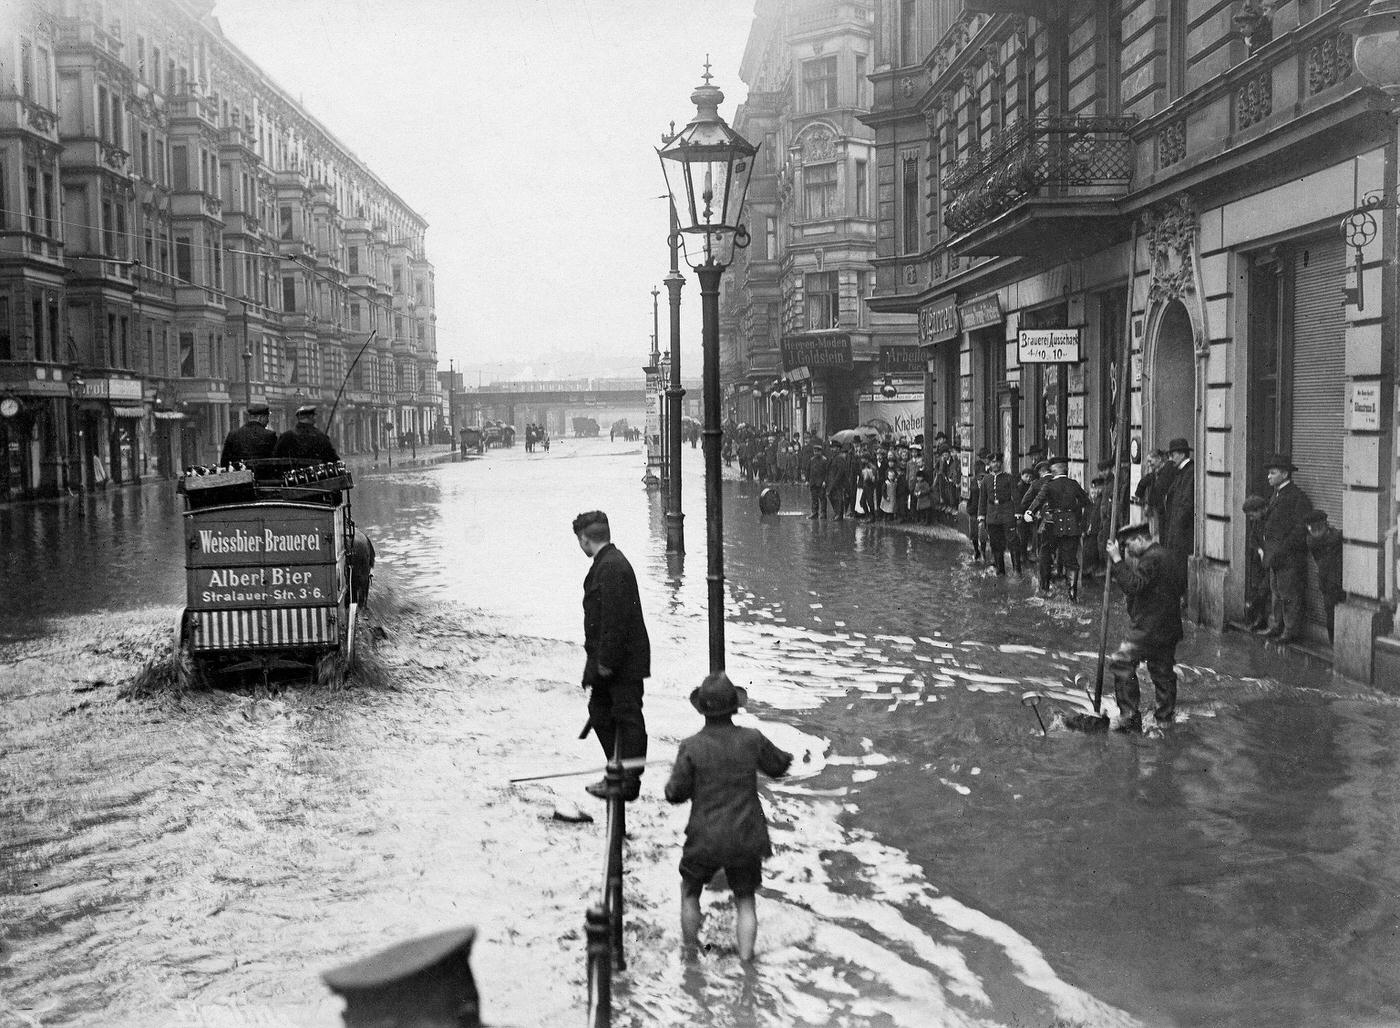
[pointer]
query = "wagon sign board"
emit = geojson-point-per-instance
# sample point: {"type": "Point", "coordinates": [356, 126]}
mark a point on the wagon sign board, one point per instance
{"type": "Point", "coordinates": [267, 556]}
{"type": "Point", "coordinates": [1048, 345]}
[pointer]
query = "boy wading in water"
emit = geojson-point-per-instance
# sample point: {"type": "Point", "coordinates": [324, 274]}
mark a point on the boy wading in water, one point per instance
{"type": "Point", "coordinates": [717, 770]}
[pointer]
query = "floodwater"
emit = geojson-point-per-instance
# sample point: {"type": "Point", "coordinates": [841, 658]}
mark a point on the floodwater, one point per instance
{"type": "Point", "coordinates": [198, 858]}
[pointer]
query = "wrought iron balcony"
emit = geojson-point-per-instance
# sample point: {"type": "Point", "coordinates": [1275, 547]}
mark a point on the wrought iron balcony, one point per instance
{"type": "Point", "coordinates": [1050, 168]}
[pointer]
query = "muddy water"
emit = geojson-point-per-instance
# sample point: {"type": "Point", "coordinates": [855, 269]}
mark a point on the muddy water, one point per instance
{"type": "Point", "coordinates": [198, 858]}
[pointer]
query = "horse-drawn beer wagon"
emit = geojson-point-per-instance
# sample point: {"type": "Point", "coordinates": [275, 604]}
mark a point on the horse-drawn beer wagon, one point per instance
{"type": "Point", "coordinates": [275, 571]}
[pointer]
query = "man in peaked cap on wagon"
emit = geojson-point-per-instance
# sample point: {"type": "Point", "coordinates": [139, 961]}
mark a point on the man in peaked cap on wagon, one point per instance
{"type": "Point", "coordinates": [252, 440]}
{"type": "Point", "coordinates": [1284, 534]}
{"type": "Point", "coordinates": [1147, 577]}
{"type": "Point", "coordinates": [304, 440]}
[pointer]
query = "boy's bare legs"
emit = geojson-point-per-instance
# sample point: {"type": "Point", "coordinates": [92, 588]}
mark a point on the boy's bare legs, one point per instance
{"type": "Point", "coordinates": [690, 923]}
{"type": "Point", "coordinates": [745, 925]}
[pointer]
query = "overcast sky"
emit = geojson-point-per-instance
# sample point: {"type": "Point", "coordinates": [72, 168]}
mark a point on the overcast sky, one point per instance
{"type": "Point", "coordinates": [524, 131]}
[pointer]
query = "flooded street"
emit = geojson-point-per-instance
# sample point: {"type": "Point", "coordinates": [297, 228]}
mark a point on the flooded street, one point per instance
{"type": "Point", "coordinates": [199, 858]}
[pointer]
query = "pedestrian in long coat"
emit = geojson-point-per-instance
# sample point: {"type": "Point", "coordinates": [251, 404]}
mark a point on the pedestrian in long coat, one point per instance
{"type": "Point", "coordinates": [618, 650]}
{"type": "Point", "coordinates": [1179, 508]}
{"type": "Point", "coordinates": [838, 482]}
{"type": "Point", "coordinates": [1148, 579]}
{"type": "Point", "coordinates": [1325, 547]}
{"type": "Point", "coordinates": [1059, 507]}
{"type": "Point", "coordinates": [717, 771]}
{"type": "Point", "coordinates": [817, 466]}
{"type": "Point", "coordinates": [1285, 549]}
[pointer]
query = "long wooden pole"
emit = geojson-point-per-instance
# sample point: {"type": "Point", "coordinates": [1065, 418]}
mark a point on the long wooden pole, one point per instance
{"type": "Point", "coordinates": [1120, 462]}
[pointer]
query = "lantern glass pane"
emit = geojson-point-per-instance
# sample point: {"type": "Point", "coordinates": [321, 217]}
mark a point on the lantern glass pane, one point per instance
{"type": "Point", "coordinates": [1378, 57]}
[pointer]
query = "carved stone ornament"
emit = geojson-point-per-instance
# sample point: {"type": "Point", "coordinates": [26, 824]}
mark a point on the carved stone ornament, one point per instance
{"type": "Point", "coordinates": [818, 144]}
{"type": "Point", "coordinates": [1171, 245]}
{"type": "Point", "coordinates": [906, 86]}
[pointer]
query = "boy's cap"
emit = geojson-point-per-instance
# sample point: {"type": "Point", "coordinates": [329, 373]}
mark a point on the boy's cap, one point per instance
{"type": "Point", "coordinates": [717, 696]}
{"type": "Point", "coordinates": [1254, 504]}
{"type": "Point", "coordinates": [1315, 517]}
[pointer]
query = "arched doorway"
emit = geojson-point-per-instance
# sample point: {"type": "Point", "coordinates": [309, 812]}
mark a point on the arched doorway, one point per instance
{"type": "Point", "coordinates": [1172, 379]}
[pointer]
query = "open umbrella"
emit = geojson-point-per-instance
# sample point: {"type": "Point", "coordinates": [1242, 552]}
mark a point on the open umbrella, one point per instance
{"type": "Point", "coordinates": [862, 433]}
{"type": "Point", "coordinates": [881, 425]}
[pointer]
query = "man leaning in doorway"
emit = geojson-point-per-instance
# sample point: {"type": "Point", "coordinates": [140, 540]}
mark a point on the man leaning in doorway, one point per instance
{"type": "Point", "coordinates": [1284, 550]}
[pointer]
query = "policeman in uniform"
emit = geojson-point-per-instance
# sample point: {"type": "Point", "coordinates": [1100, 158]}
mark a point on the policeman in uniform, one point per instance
{"type": "Point", "coordinates": [996, 511]}
{"type": "Point", "coordinates": [1148, 579]}
{"type": "Point", "coordinates": [1060, 505]}
{"type": "Point", "coordinates": [1285, 548]}
{"type": "Point", "coordinates": [305, 440]}
{"type": "Point", "coordinates": [252, 441]}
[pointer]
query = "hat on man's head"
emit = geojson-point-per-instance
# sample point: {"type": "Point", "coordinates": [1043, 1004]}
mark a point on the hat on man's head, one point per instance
{"type": "Point", "coordinates": [1135, 529]}
{"type": "Point", "coordinates": [1282, 461]}
{"type": "Point", "coordinates": [983, 452]}
{"type": "Point", "coordinates": [306, 410]}
{"type": "Point", "coordinates": [1040, 466]}
{"type": "Point", "coordinates": [1314, 517]}
{"type": "Point", "coordinates": [717, 696]}
{"type": "Point", "coordinates": [1057, 459]}
{"type": "Point", "coordinates": [1178, 445]}
{"type": "Point", "coordinates": [994, 458]}
{"type": "Point", "coordinates": [1254, 504]}
{"type": "Point", "coordinates": [258, 408]}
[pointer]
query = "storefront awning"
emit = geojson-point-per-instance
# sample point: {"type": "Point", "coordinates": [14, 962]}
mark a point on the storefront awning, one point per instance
{"type": "Point", "coordinates": [128, 412]}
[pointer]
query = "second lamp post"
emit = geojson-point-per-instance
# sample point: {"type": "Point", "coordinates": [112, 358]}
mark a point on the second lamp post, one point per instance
{"type": "Point", "coordinates": [707, 167]}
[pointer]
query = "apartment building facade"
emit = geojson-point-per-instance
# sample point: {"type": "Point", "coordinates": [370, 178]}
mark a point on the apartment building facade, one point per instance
{"type": "Point", "coordinates": [1168, 180]}
{"type": "Point", "coordinates": [801, 350]}
{"type": "Point", "coordinates": [178, 237]}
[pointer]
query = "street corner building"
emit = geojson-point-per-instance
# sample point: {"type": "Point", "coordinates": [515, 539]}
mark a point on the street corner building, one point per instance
{"type": "Point", "coordinates": [989, 204]}
{"type": "Point", "coordinates": [178, 239]}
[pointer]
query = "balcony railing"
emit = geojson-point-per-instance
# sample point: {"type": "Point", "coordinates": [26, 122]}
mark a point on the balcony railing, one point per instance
{"type": "Point", "coordinates": [1080, 158]}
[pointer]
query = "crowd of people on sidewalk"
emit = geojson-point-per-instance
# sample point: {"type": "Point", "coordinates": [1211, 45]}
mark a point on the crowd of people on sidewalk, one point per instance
{"type": "Point", "coordinates": [1039, 513]}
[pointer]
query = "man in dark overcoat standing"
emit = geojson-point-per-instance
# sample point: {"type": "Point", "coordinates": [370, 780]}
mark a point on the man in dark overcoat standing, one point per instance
{"type": "Point", "coordinates": [618, 650]}
{"type": "Point", "coordinates": [1285, 546]}
{"type": "Point", "coordinates": [838, 482]}
{"type": "Point", "coordinates": [1147, 577]}
{"type": "Point", "coordinates": [1179, 508]}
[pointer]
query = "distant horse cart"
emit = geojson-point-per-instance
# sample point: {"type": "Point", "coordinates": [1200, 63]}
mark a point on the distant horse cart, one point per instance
{"type": "Point", "coordinates": [585, 428]}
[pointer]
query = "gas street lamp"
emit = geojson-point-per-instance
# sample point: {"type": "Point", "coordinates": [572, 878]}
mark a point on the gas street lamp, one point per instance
{"type": "Point", "coordinates": [707, 166]}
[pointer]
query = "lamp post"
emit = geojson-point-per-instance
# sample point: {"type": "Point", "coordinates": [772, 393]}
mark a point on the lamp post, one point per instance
{"type": "Point", "coordinates": [675, 395]}
{"type": "Point", "coordinates": [707, 167]}
{"type": "Point", "coordinates": [1376, 52]}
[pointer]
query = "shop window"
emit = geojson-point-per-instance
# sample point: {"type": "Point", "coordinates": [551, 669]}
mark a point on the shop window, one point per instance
{"type": "Point", "coordinates": [823, 299]}
{"type": "Point", "coordinates": [819, 192]}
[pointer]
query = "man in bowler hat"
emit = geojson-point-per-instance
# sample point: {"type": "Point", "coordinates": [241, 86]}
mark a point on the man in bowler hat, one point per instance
{"type": "Point", "coordinates": [1147, 576]}
{"type": "Point", "coordinates": [1284, 550]}
{"type": "Point", "coordinates": [618, 651]}
{"type": "Point", "coordinates": [304, 440]}
{"type": "Point", "coordinates": [1179, 508]}
{"type": "Point", "coordinates": [716, 769]}
{"type": "Point", "coordinates": [252, 440]}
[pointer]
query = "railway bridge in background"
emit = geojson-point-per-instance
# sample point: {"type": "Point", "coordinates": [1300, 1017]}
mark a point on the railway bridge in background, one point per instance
{"type": "Point", "coordinates": [554, 403]}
